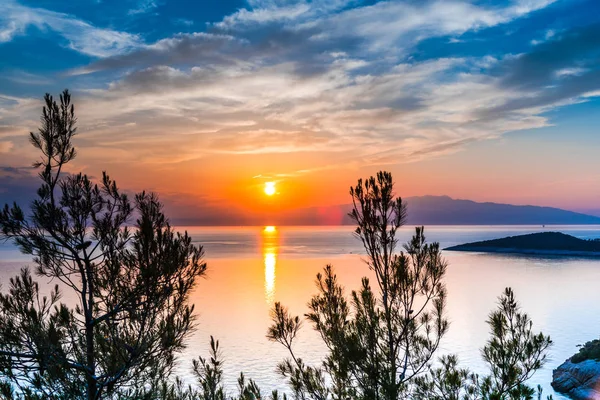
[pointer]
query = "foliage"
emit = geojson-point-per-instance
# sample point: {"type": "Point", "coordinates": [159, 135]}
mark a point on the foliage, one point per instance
{"type": "Point", "coordinates": [209, 384]}
{"type": "Point", "coordinates": [513, 353]}
{"type": "Point", "coordinates": [381, 342]}
{"type": "Point", "coordinates": [130, 287]}
{"type": "Point", "coordinates": [378, 340]}
{"type": "Point", "coordinates": [209, 373]}
{"type": "Point", "coordinates": [589, 351]}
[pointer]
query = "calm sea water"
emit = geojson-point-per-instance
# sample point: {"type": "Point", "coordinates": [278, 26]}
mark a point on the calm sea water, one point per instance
{"type": "Point", "coordinates": [250, 268]}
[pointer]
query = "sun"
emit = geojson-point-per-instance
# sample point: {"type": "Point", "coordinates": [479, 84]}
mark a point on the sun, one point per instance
{"type": "Point", "coordinates": [269, 188]}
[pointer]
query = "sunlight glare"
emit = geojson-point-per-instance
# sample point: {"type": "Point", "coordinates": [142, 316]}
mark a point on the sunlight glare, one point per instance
{"type": "Point", "coordinates": [269, 188]}
{"type": "Point", "coordinates": [270, 247]}
{"type": "Point", "coordinates": [270, 266]}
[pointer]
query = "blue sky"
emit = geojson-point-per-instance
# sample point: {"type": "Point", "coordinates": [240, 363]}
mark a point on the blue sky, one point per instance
{"type": "Point", "coordinates": [318, 88]}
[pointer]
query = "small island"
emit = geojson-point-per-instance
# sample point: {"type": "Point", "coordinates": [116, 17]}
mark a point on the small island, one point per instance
{"type": "Point", "coordinates": [543, 243]}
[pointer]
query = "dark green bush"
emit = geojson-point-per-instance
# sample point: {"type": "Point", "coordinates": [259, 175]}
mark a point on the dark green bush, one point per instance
{"type": "Point", "coordinates": [589, 351]}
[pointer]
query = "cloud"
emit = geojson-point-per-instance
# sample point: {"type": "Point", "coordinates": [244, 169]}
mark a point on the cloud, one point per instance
{"type": "Point", "coordinates": [562, 70]}
{"type": "Point", "coordinates": [143, 6]}
{"type": "Point", "coordinates": [578, 47]}
{"type": "Point", "coordinates": [287, 76]}
{"type": "Point", "coordinates": [204, 48]}
{"type": "Point", "coordinates": [264, 15]}
{"type": "Point", "coordinates": [81, 36]}
{"type": "Point", "coordinates": [414, 110]}
{"type": "Point", "coordinates": [25, 78]}
{"type": "Point", "coordinates": [387, 25]}
{"type": "Point", "coordinates": [272, 31]}
{"type": "Point", "coordinates": [16, 113]}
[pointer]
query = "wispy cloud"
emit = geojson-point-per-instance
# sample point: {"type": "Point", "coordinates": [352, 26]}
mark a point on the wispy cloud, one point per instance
{"type": "Point", "coordinates": [16, 19]}
{"type": "Point", "coordinates": [25, 78]}
{"type": "Point", "coordinates": [285, 76]}
{"type": "Point", "coordinates": [143, 6]}
{"type": "Point", "coordinates": [413, 110]}
{"type": "Point", "coordinates": [205, 48]}
{"type": "Point", "coordinates": [557, 72]}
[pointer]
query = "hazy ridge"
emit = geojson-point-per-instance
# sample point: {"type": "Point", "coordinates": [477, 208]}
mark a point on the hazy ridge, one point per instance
{"type": "Point", "coordinates": [443, 210]}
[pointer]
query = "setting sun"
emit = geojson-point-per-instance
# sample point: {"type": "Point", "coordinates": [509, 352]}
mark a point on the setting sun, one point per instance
{"type": "Point", "coordinates": [269, 188]}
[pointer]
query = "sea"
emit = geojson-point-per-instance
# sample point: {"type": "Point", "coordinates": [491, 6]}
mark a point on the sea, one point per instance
{"type": "Point", "coordinates": [250, 268]}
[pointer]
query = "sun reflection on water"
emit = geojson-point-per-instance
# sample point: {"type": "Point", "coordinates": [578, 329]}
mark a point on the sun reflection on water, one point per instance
{"type": "Point", "coordinates": [270, 247]}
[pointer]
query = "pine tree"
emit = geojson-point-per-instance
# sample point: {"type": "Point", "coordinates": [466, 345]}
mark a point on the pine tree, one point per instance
{"type": "Point", "coordinates": [129, 273]}
{"type": "Point", "coordinates": [513, 353]}
{"type": "Point", "coordinates": [379, 340]}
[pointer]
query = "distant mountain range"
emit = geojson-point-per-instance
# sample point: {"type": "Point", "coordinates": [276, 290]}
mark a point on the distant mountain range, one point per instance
{"type": "Point", "coordinates": [443, 210]}
{"type": "Point", "coordinates": [422, 210]}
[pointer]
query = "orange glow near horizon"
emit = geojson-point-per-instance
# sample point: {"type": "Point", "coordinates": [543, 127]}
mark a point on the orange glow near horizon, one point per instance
{"type": "Point", "coordinates": [234, 193]}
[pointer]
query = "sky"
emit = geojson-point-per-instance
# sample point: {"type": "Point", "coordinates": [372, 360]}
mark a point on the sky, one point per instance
{"type": "Point", "coordinates": [204, 102]}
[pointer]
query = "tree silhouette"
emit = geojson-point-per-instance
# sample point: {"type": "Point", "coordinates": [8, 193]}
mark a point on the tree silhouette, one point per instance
{"type": "Point", "coordinates": [513, 354]}
{"type": "Point", "coordinates": [208, 373]}
{"type": "Point", "coordinates": [379, 340]}
{"type": "Point", "coordinates": [131, 284]}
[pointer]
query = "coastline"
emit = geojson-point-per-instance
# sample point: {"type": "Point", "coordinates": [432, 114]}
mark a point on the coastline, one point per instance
{"type": "Point", "coordinates": [579, 381]}
{"type": "Point", "coordinates": [538, 252]}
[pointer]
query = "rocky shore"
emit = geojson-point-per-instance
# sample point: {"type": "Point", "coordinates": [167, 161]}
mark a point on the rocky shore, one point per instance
{"type": "Point", "coordinates": [580, 381]}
